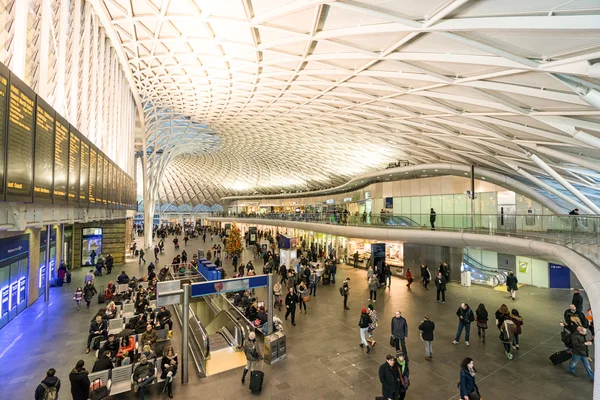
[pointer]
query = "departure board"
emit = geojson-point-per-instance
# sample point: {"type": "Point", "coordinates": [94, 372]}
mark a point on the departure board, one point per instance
{"type": "Point", "coordinates": [99, 179]}
{"type": "Point", "coordinates": [3, 97]}
{"type": "Point", "coordinates": [19, 165]}
{"type": "Point", "coordinates": [114, 186]}
{"type": "Point", "coordinates": [43, 173]}
{"type": "Point", "coordinates": [93, 173]}
{"type": "Point", "coordinates": [105, 182]}
{"type": "Point", "coordinates": [74, 149]}
{"type": "Point", "coordinates": [61, 160]}
{"type": "Point", "coordinates": [109, 188]}
{"type": "Point", "coordinates": [84, 172]}
{"type": "Point", "coordinates": [119, 189]}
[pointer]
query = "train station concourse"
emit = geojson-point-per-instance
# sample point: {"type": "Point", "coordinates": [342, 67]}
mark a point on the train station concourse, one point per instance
{"type": "Point", "coordinates": [299, 199]}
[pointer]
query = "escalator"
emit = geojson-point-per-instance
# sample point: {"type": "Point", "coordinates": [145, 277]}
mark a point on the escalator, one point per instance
{"type": "Point", "coordinates": [398, 220]}
{"type": "Point", "coordinates": [483, 274]}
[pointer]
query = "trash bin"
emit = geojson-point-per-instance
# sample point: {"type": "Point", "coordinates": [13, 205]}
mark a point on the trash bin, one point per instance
{"type": "Point", "coordinates": [465, 278]}
{"type": "Point", "coordinates": [271, 348]}
{"type": "Point", "coordinates": [282, 349]}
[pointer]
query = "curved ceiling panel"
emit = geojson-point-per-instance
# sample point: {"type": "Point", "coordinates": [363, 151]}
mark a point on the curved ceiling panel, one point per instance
{"type": "Point", "coordinates": [307, 94]}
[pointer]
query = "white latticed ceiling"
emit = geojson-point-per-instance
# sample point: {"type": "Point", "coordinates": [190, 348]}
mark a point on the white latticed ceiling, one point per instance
{"type": "Point", "coordinates": [283, 95]}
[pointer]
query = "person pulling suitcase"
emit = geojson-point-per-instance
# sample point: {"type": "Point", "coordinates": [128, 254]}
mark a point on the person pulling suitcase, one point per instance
{"type": "Point", "coordinates": [252, 352]}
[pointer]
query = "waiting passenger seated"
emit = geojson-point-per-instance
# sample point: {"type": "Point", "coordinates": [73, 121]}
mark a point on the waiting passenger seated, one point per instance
{"type": "Point", "coordinates": [262, 315]}
{"type": "Point", "coordinates": [112, 345]}
{"type": "Point", "coordinates": [98, 327]}
{"type": "Point", "coordinates": [103, 362]}
{"type": "Point", "coordinates": [111, 310]}
{"type": "Point", "coordinates": [123, 279]}
{"type": "Point", "coordinates": [168, 365]}
{"type": "Point", "coordinates": [148, 352]}
{"type": "Point", "coordinates": [252, 311]}
{"type": "Point", "coordinates": [164, 318]}
{"type": "Point", "coordinates": [109, 293]}
{"type": "Point", "coordinates": [143, 376]}
{"type": "Point", "coordinates": [149, 337]}
{"type": "Point", "coordinates": [127, 346]}
{"type": "Point", "coordinates": [141, 303]}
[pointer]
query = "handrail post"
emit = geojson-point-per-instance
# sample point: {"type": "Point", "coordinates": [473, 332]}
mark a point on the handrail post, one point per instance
{"type": "Point", "coordinates": [185, 321]}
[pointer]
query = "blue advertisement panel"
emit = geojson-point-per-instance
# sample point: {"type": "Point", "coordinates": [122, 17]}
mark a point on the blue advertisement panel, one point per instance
{"type": "Point", "coordinates": [22, 286]}
{"type": "Point", "coordinates": [229, 285]}
{"type": "Point", "coordinates": [13, 247]}
{"type": "Point", "coordinates": [14, 295]}
{"type": "Point", "coordinates": [4, 304]}
{"type": "Point", "coordinates": [560, 276]}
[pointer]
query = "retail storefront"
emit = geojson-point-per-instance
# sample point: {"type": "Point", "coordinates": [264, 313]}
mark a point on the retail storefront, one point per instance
{"type": "Point", "coordinates": [394, 252]}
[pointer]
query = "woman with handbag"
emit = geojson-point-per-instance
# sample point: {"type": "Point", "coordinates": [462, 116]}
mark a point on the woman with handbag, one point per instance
{"type": "Point", "coordinates": [302, 296]}
{"type": "Point", "coordinates": [403, 372]}
{"type": "Point", "coordinates": [467, 386]}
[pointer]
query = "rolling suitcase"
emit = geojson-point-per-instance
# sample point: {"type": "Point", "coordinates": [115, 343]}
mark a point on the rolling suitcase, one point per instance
{"type": "Point", "coordinates": [561, 356]}
{"type": "Point", "coordinates": [68, 278]}
{"type": "Point", "coordinates": [256, 381]}
{"type": "Point", "coordinates": [101, 295]}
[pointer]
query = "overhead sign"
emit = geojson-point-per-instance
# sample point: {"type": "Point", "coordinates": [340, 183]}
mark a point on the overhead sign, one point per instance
{"type": "Point", "coordinates": [165, 287]}
{"type": "Point", "coordinates": [330, 201]}
{"type": "Point", "coordinates": [229, 285]}
{"type": "Point", "coordinates": [347, 199]}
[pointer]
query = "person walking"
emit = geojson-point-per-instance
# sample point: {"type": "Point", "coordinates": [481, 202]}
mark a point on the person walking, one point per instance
{"type": "Point", "coordinates": [355, 259]}
{"type": "Point", "coordinates": [313, 281]}
{"type": "Point", "coordinates": [481, 316]}
{"type": "Point", "coordinates": [507, 331]}
{"type": "Point", "coordinates": [440, 284]}
{"type": "Point", "coordinates": [284, 273]}
{"type": "Point", "coordinates": [465, 317]}
{"type": "Point", "coordinates": [511, 284]}
{"type": "Point", "coordinates": [302, 293]}
{"type": "Point", "coordinates": [580, 348]}
{"type": "Point", "coordinates": [426, 277]}
{"type": "Point", "coordinates": [373, 284]}
{"type": "Point", "coordinates": [89, 291]}
{"type": "Point", "coordinates": [387, 273]}
{"type": "Point", "coordinates": [333, 270]}
{"type": "Point", "coordinates": [518, 321]}
{"type": "Point", "coordinates": [363, 324]}
{"type": "Point", "coordinates": [400, 332]}
{"type": "Point", "coordinates": [291, 299]}
{"type": "Point", "coordinates": [142, 254]}
{"type": "Point", "coordinates": [426, 329]}
{"type": "Point", "coordinates": [374, 324]}
{"type": "Point", "coordinates": [252, 352]}
{"type": "Point", "coordinates": [49, 387]}
{"type": "Point", "coordinates": [345, 291]}
{"type": "Point", "coordinates": [409, 278]}
{"type": "Point", "coordinates": [467, 385]}
{"type": "Point", "coordinates": [432, 218]}
{"type": "Point", "coordinates": [389, 378]}
{"type": "Point", "coordinates": [403, 373]}
{"type": "Point", "coordinates": [577, 300]}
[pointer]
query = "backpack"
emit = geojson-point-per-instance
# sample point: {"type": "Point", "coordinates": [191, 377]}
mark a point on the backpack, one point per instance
{"type": "Point", "coordinates": [565, 336]}
{"type": "Point", "coordinates": [471, 316]}
{"type": "Point", "coordinates": [50, 392]}
{"type": "Point", "coordinates": [341, 290]}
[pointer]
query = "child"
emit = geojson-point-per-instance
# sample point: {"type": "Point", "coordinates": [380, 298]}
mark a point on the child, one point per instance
{"type": "Point", "coordinates": [78, 296]}
{"type": "Point", "coordinates": [481, 318]}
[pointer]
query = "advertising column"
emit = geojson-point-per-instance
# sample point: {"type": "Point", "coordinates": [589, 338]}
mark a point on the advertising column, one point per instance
{"type": "Point", "coordinates": [14, 272]}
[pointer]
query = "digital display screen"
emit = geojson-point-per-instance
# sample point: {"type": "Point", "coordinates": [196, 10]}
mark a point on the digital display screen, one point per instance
{"type": "Point", "coordinates": [44, 153]}
{"type": "Point", "coordinates": [74, 148]}
{"type": "Point", "coordinates": [3, 97]}
{"type": "Point", "coordinates": [105, 182]}
{"type": "Point", "coordinates": [61, 160]}
{"type": "Point", "coordinates": [109, 185]}
{"type": "Point", "coordinates": [99, 179]}
{"type": "Point", "coordinates": [92, 181]}
{"type": "Point", "coordinates": [84, 172]}
{"type": "Point", "coordinates": [22, 285]}
{"type": "Point", "coordinates": [14, 293]}
{"type": "Point", "coordinates": [19, 168]}
{"type": "Point", "coordinates": [4, 305]}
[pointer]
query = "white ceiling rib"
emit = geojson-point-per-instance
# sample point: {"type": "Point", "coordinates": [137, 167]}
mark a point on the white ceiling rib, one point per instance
{"type": "Point", "coordinates": [281, 96]}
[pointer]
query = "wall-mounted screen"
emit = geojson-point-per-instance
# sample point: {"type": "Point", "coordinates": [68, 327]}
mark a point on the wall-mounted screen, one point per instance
{"type": "Point", "coordinates": [61, 159]}
{"type": "Point", "coordinates": [19, 160]}
{"type": "Point", "coordinates": [43, 174]}
{"type": "Point", "coordinates": [74, 161]}
{"type": "Point", "coordinates": [3, 101]}
{"type": "Point", "coordinates": [99, 179]}
{"type": "Point", "coordinates": [105, 182]}
{"type": "Point", "coordinates": [93, 173]}
{"type": "Point", "coordinates": [84, 172]}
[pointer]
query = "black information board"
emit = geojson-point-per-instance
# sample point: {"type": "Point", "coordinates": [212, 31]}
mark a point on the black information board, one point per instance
{"type": "Point", "coordinates": [93, 173]}
{"type": "Point", "coordinates": [43, 175]}
{"type": "Point", "coordinates": [84, 172]}
{"type": "Point", "coordinates": [19, 160]}
{"type": "Point", "coordinates": [4, 73]}
{"type": "Point", "coordinates": [61, 160]}
{"type": "Point", "coordinates": [99, 179]}
{"type": "Point", "coordinates": [74, 148]}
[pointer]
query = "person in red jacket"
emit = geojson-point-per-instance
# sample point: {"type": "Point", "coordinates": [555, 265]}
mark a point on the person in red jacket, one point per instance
{"type": "Point", "coordinates": [409, 278]}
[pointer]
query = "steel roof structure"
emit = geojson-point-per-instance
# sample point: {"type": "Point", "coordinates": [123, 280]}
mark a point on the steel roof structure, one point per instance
{"type": "Point", "coordinates": [269, 96]}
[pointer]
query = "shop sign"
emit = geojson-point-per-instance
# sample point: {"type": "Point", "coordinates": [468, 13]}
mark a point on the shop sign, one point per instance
{"type": "Point", "coordinates": [330, 201]}
{"type": "Point", "coordinates": [367, 195]}
{"type": "Point", "coordinates": [523, 266]}
{"type": "Point", "coordinates": [14, 246]}
{"type": "Point", "coordinates": [347, 199]}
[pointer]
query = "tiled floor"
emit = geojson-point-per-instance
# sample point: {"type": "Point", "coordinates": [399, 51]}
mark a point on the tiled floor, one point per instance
{"type": "Point", "coordinates": [324, 360]}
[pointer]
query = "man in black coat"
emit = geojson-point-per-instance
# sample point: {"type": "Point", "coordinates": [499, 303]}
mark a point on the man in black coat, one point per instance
{"type": "Point", "coordinates": [80, 383]}
{"type": "Point", "coordinates": [389, 378]}
{"type": "Point", "coordinates": [577, 300]}
{"type": "Point", "coordinates": [290, 304]}
{"type": "Point", "coordinates": [103, 362]}
{"type": "Point", "coordinates": [426, 328]}
{"type": "Point", "coordinates": [99, 327]}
